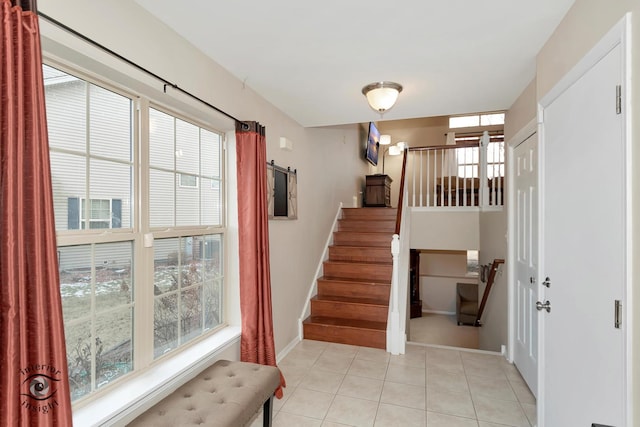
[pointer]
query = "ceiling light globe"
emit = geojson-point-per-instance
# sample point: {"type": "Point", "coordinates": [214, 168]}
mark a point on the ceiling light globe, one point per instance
{"type": "Point", "coordinates": [382, 95]}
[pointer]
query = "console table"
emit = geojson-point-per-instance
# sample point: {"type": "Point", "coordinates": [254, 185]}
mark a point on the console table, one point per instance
{"type": "Point", "coordinates": [378, 191]}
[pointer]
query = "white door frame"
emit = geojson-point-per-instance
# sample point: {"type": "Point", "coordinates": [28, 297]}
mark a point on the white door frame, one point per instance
{"type": "Point", "coordinates": [524, 133]}
{"type": "Point", "coordinates": [620, 34]}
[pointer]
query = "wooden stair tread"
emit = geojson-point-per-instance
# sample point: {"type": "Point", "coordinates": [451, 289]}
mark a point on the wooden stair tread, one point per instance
{"type": "Point", "coordinates": [359, 281]}
{"type": "Point", "coordinates": [351, 300]}
{"type": "Point", "coordinates": [347, 323]}
{"type": "Point", "coordinates": [362, 248]}
{"type": "Point", "coordinates": [372, 264]}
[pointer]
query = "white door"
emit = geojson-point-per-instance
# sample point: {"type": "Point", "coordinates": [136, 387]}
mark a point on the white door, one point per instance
{"type": "Point", "coordinates": [583, 251]}
{"type": "Point", "coordinates": [525, 182]}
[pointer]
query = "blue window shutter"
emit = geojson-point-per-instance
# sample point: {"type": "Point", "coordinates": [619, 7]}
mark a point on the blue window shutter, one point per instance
{"type": "Point", "coordinates": [73, 213]}
{"type": "Point", "coordinates": [116, 213]}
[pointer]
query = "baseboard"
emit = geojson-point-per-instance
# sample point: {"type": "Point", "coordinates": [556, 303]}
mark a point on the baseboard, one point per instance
{"type": "Point", "coordinates": [287, 349]}
{"type": "Point", "coordinates": [448, 313]}
{"type": "Point", "coordinates": [448, 347]}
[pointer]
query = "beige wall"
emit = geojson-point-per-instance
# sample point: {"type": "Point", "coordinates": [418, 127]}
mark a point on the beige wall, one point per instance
{"type": "Point", "coordinates": [440, 271]}
{"type": "Point", "coordinates": [329, 161]}
{"type": "Point", "coordinates": [583, 26]}
{"type": "Point", "coordinates": [493, 245]}
{"type": "Point", "coordinates": [521, 112]}
{"type": "Point", "coordinates": [446, 230]}
{"type": "Point", "coordinates": [415, 132]}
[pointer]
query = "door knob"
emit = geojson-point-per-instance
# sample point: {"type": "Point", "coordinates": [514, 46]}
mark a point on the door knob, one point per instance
{"type": "Point", "coordinates": [543, 306]}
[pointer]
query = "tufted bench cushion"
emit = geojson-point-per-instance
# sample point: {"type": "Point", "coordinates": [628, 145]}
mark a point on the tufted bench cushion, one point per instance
{"type": "Point", "coordinates": [226, 394]}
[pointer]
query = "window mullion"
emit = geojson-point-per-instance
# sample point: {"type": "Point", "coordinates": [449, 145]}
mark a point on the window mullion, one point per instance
{"type": "Point", "coordinates": [143, 256]}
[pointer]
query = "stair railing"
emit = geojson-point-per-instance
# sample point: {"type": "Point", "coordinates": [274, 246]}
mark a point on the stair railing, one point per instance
{"type": "Point", "coordinates": [466, 175]}
{"type": "Point", "coordinates": [485, 296]}
{"type": "Point", "coordinates": [397, 318]}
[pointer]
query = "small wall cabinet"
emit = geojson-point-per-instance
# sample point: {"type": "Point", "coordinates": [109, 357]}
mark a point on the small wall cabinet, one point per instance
{"type": "Point", "coordinates": [378, 191]}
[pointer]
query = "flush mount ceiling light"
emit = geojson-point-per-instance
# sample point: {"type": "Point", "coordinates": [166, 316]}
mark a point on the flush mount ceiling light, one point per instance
{"type": "Point", "coordinates": [382, 95]}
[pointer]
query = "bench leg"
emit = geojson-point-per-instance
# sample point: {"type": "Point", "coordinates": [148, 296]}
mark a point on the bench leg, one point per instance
{"type": "Point", "coordinates": [267, 410]}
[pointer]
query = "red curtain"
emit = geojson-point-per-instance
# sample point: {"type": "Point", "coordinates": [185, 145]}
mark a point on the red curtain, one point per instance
{"type": "Point", "coordinates": [256, 344]}
{"type": "Point", "coordinates": [34, 387]}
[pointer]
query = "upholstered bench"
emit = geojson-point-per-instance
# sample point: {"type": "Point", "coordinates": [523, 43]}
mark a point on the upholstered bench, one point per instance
{"type": "Point", "coordinates": [227, 394]}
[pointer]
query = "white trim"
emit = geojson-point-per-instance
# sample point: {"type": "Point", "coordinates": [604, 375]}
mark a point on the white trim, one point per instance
{"type": "Point", "coordinates": [448, 347]}
{"type": "Point", "coordinates": [522, 135]}
{"type": "Point", "coordinates": [627, 135]}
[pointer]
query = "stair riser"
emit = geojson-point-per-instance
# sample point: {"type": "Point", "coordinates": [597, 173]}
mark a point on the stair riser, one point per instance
{"type": "Point", "coordinates": [369, 213]}
{"type": "Point", "coordinates": [342, 310]}
{"type": "Point", "coordinates": [353, 290]}
{"type": "Point", "coordinates": [372, 226]}
{"type": "Point", "coordinates": [352, 336]}
{"type": "Point", "coordinates": [354, 238]}
{"type": "Point", "coordinates": [366, 272]}
{"type": "Point", "coordinates": [345, 253]}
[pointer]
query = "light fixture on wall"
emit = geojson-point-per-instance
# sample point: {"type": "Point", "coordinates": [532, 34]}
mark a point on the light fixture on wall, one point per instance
{"type": "Point", "coordinates": [382, 95]}
{"type": "Point", "coordinates": [392, 150]}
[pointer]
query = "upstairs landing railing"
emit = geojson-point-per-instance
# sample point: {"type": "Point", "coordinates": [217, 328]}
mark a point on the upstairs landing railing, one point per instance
{"type": "Point", "coordinates": [468, 174]}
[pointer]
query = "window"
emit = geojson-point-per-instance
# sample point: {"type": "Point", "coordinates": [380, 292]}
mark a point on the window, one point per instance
{"type": "Point", "coordinates": [473, 264]}
{"type": "Point", "coordinates": [93, 144]}
{"type": "Point", "coordinates": [102, 213]}
{"type": "Point", "coordinates": [476, 120]}
{"type": "Point", "coordinates": [188, 181]}
{"type": "Point", "coordinates": [468, 160]}
{"type": "Point", "coordinates": [188, 272]}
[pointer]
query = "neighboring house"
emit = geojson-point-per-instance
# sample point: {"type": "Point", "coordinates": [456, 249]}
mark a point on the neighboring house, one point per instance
{"type": "Point", "coordinates": [328, 160]}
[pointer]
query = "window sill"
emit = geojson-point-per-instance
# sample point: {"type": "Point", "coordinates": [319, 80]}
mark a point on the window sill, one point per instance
{"type": "Point", "coordinates": [125, 401]}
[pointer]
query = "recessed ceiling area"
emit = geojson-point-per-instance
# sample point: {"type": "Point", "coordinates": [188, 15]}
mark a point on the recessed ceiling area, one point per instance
{"type": "Point", "coordinates": [311, 60]}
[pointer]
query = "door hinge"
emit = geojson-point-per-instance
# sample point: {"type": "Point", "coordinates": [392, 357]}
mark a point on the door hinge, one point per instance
{"type": "Point", "coordinates": [618, 314]}
{"type": "Point", "coordinates": [618, 99]}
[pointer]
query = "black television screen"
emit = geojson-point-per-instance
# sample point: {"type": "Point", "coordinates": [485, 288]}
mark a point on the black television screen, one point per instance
{"type": "Point", "coordinates": [373, 143]}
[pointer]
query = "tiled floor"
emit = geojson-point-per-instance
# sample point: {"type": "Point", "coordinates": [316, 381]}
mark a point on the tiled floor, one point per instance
{"type": "Point", "coordinates": [442, 329]}
{"type": "Point", "coordinates": [333, 385]}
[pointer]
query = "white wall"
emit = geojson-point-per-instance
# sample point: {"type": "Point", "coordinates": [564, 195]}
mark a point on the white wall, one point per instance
{"type": "Point", "coordinates": [329, 161]}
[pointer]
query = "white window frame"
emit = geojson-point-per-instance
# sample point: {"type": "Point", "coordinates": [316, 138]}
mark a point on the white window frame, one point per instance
{"type": "Point", "coordinates": [83, 212]}
{"type": "Point", "coordinates": [138, 233]}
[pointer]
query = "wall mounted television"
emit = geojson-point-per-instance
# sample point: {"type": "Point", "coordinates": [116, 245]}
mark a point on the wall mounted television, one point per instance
{"type": "Point", "coordinates": [373, 143]}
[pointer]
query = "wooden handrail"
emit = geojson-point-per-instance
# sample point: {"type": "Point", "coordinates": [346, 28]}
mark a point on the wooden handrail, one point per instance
{"type": "Point", "coordinates": [492, 276]}
{"type": "Point", "coordinates": [446, 147]}
{"type": "Point", "coordinates": [401, 196]}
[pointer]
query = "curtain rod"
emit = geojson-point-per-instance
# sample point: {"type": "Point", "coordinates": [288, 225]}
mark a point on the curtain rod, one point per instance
{"type": "Point", "coordinates": [133, 64]}
{"type": "Point", "coordinates": [272, 163]}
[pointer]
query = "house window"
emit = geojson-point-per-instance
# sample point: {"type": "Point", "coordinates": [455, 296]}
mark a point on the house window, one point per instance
{"type": "Point", "coordinates": [188, 272]}
{"type": "Point", "coordinates": [188, 181]}
{"type": "Point", "coordinates": [94, 139]}
{"type": "Point", "coordinates": [101, 213]}
{"type": "Point", "coordinates": [187, 289]}
{"type": "Point", "coordinates": [476, 120]}
{"type": "Point", "coordinates": [468, 161]}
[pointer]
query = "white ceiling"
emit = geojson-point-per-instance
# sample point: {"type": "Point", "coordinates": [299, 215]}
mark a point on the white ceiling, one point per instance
{"type": "Point", "coordinates": [311, 60]}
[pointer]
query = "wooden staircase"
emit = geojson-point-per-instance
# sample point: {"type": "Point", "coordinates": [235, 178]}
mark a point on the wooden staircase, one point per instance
{"type": "Point", "coordinates": [352, 303]}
